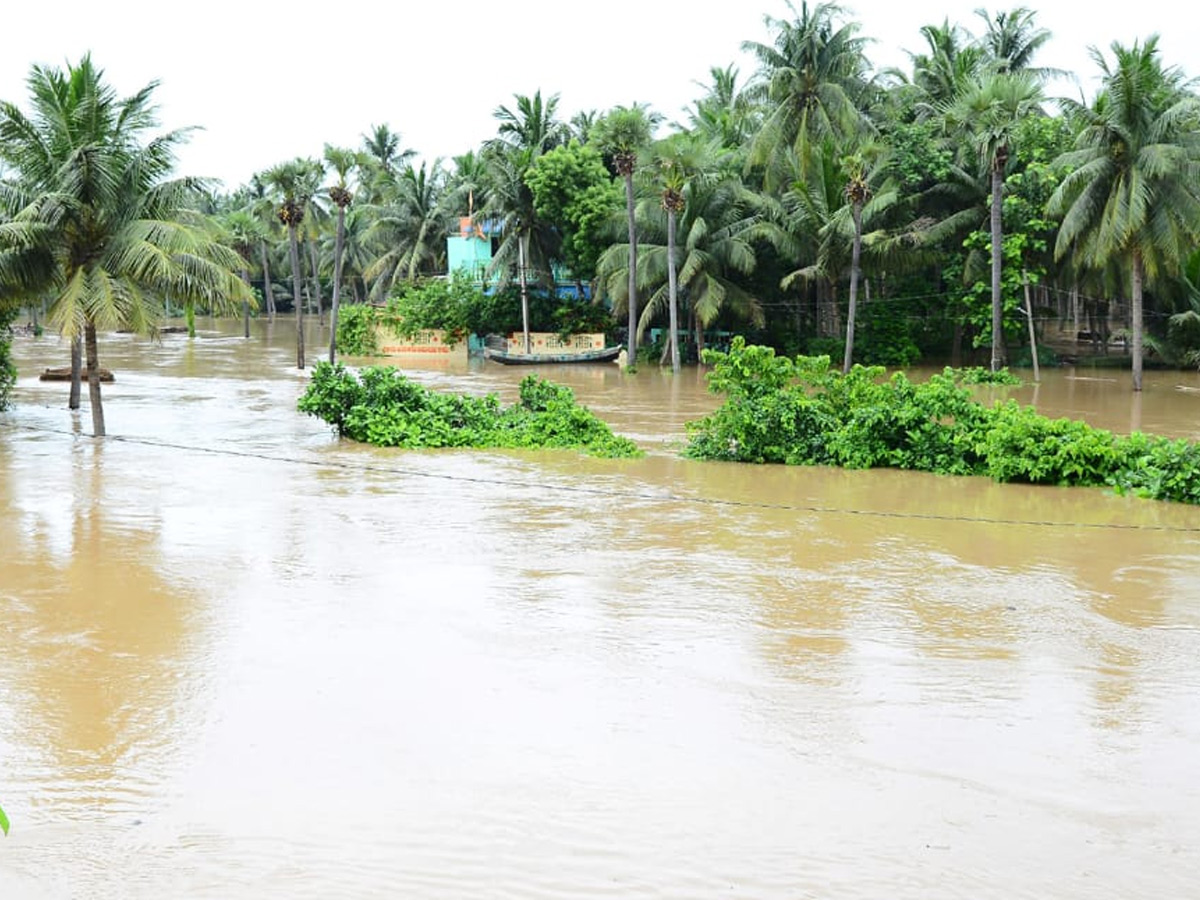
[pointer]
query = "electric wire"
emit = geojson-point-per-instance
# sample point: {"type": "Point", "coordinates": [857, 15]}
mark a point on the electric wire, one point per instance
{"type": "Point", "coordinates": [613, 493]}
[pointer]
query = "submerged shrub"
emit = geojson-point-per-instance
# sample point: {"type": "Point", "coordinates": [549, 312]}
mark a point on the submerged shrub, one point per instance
{"type": "Point", "coordinates": [803, 412]}
{"type": "Point", "coordinates": [382, 407]}
{"type": "Point", "coordinates": [356, 330]}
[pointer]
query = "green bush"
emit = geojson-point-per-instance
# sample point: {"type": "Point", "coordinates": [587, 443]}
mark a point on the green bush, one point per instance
{"type": "Point", "coordinates": [382, 407]}
{"type": "Point", "coordinates": [804, 412]}
{"type": "Point", "coordinates": [356, 330]}
{"type": "Point", "coordinates": [433, 304]}
{"type": "Point", "coordinates": [980, 375]}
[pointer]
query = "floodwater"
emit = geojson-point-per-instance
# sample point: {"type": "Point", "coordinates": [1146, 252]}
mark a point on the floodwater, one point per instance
{"type": "Point", "coordinates": [240, 659]}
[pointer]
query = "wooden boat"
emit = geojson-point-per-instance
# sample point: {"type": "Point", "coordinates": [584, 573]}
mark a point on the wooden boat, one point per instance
{"type": "Point", "coordinates": [63, 373]}
{"type": "Point", "coordinates": [541, 359]}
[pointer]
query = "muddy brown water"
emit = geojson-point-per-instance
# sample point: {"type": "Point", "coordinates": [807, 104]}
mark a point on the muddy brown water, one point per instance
{"type": "Point", "coordinates": [241, 659]}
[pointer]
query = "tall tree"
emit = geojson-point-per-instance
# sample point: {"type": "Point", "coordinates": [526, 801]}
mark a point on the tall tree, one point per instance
{"type": "Point", "coordinates": [262, 207]}
{"type": "Point", "coordinates": [342, 161]}
{"type": "Point", "coordinates": [1132, 186]}
{"type": "Point", "coordinates": [244, 232]}
{"type": "Point", "coordinates": [1012, 39]}
{"type": "Point", "coordinates": [814, 80]}
{"type": "Point", "coordinates": [991, 109]}
{"type": "Point", "coordinates": [621, 135]}
{"type": "Point", "coordinates": [949, 63]}
{"type": "Point", "coordinates": [290, 181]}
{"type": "Point", "coordinates": [532, 125]}
{"type": "Point", "coordinates": [122, 237]}
{"type": "Point", "coordinates": [410, 225]}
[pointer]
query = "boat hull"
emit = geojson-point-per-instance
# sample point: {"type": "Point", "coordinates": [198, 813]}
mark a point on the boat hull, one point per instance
{"type": "Point", "coordinates": [542, 359]}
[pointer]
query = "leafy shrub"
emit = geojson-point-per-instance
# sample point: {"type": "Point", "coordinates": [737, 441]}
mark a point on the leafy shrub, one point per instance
{"type": "Point", "coordinates": [802, 411]}
{"type": "Point", "coordinates": [356, 330]}
{"type": "Point", "coordinates": [382, 407]}
{"type": "Point", "coordinates": [433, 304]}
{"type": "Point", "coordinates": [1159, 468]}
{"type": "Point", "coordinates": [980, 375]}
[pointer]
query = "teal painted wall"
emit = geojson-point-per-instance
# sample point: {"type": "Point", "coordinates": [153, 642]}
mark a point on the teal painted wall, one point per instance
{"type": "Point", "coordinates": [469, 254]}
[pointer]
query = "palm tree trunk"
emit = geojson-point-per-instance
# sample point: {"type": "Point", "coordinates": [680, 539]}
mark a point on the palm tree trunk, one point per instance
{"type": "Point", "coordinates": [294, 247]}
{"type": "Point", "coordinates": [672, 292]}
{"type": "Point", "coordinates": [855, 256]}
{"type": "Point", "coordinates": [246, 307]}
{"type": "Point", "coordinates": [316, 277]}
{"type": "Point", "coordinates": [268, 294]}
{"type": "Point", "coordinates": [76, 372]}
{"type": "Point", "coordinates": [524, 289]}
{"type": "Point", "coordinates": [629, 221]}
{"type": "Point", "coordinates": [93, 364]}
{"type": "Point", "coordinates": [1136, 319]}
{"type": "Point", "coordinates": [997, 263]}
{"type": "Point", "coordinates": [1037, 373]}
{"type": "Point", "coordinates": [337, 282]}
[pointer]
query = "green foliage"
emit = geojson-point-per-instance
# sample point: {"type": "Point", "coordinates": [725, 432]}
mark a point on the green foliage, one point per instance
{"type": "Point", "coordinates": [8, 370]}
{"type": "Point", "coordinates": [432, 304]}
{"type": "Point", "coordinates": [1159, 468]}
{"type": "Point", "coordinates": [356, 330]}
{"type": "Point", "coordinates": [802, 412]}
{"type": "Point", "coordinates": [382, 407]}
{"type": "Point", "coordinates": [573, 190]}
{"type": "Point", "coordinates": [981, 375]}
{"type": "Point", "coordinates": [978, 298]}
{"type": "Point", "coordinates": [919, 157]}
{"type": "Point", "coordinates": [461, 308]}
{"type": "Point", "coordinates": [3, 822]}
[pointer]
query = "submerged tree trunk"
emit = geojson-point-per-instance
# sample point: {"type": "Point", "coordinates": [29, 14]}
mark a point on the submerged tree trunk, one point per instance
{"type": "Point", "coordinates": [855, 256]}
{"type": "Point", "coordinates": [295, 254]}
{"type": "Point", "coordinates": [672, 292]}
{"type": "Point", "coordinates": [189, 313]}
{"type": "Point", "coordinates": [76, 372]}
{"type": "Point", "coordinates": [93, 364]}
{"type": "Point", "coordinates": [1135, 316]}
{"type": "Point", "coordinates": [246, 307]}
{"type": "Point", "coordinates": [337, 283]}
{"type": "Point", "coordinates": [268, 294]}
{"type": "Point", "coordinates": [997, 263]}
{"type": "Point", "coordinates": [1037, 373]}
{"type": "Point", "coordinates": [316, 277]}
{"type": "Point", "coordinates": [524, 290]}
{"type": "Point", "coordinates": [633, 311]}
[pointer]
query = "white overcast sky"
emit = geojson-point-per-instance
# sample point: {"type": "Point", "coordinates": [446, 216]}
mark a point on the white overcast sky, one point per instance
{"type": "Point", "coordinates": [268, 81]}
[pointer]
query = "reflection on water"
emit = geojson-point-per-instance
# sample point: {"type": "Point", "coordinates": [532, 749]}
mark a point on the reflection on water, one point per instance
{"type": "Point", "coordinates": [245, 660]}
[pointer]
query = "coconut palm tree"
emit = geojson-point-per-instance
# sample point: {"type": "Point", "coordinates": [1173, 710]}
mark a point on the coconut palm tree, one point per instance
{"type": "Point", "coordinates": [725, 114]}
{"type": "Point", "coordinates": [342, 161]}
{"type": "Point", "coordinates": [674, 179]}
{"type": "Point", "coordinates": [528, 243]}
{"type": "Point", "coordinates": [262, 206]}
{"type": "Point", "coordinates": [410, 225]}
{"type": "Point", "coordinates": [720, 229]}
{"type": "Point", "coordinates": [290, 181]}
{"type": "Point", "coordinates": [1012, 39]}
{"type": "Point", "coordinates": [1132, 186]}
{"type": "Point", "coordinates": [990, 109]}
{"type": "Point", "coordinates": [531, 125]}
{"type": "Point", "coordinates": [244, 232]}
{"type": "Point", "coordinates": [621, 135]}
{"type": "Point", "coordinates": [813, 78]}
{"type": "Point", "coordinates": [122, 236]}
{"type": "Point", "coordinates": [945, 68]}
